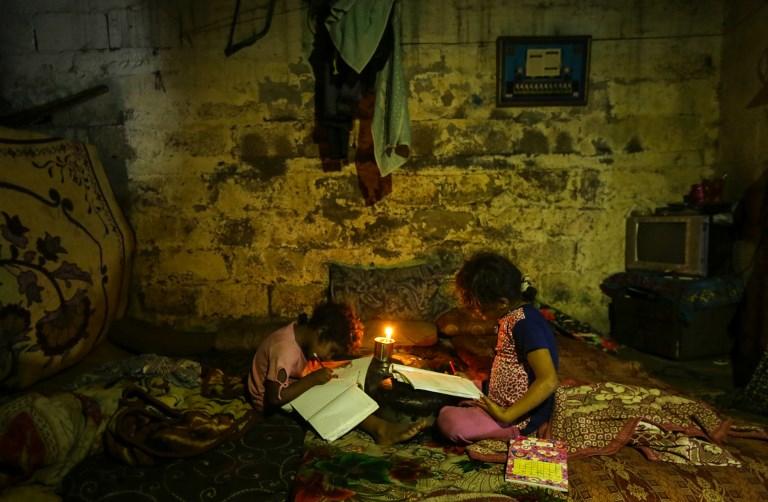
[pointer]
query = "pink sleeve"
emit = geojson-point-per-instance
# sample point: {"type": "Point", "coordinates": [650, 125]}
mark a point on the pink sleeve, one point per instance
{"type": "Point", "coordinates": [286, 357]}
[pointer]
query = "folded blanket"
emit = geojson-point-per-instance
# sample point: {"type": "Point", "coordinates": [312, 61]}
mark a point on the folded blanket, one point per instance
{"type": "Point", "coordinates": [145, 430]}
{"type": "Point", "coordinates": [600, 418]}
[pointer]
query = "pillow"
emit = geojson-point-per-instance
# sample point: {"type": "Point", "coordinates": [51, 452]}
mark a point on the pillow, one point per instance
{"type": "Point", "coordinates": [459, 321]}
{"type": "Point", "coordinates": [44, 437]}
{"type": "Point", "coordinates": [476, 352]}
{"type": "Point", "coordinates": [65, 251]}
{"type": "Point", "coordinates": [407, 293]}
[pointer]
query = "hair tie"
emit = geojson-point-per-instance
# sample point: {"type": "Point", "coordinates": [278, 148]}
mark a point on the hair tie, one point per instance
{"type": "Point", "coordinates": [525, 284]}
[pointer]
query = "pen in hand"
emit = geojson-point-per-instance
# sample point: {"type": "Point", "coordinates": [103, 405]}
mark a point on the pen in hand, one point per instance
{"type": "Point", "coordinates": [325, 371]}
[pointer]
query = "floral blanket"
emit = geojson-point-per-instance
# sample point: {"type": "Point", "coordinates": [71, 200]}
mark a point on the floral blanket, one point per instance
{"type": "Point", "coordinates": [600, 418]}
{"type": "Point", "coordinates": [676, 430]}
{"type": "Point", "coordinates": [355, 468]}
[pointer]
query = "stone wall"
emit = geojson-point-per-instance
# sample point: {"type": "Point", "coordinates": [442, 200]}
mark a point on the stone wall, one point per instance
{"type": "Point", "coordinates": [214, 160]}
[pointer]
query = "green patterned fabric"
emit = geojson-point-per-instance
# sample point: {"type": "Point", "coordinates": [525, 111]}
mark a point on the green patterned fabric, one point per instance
{"type": "Point", "coordinates": [355, 468]}
{"type": "Point", "coordinates": [357, 28]}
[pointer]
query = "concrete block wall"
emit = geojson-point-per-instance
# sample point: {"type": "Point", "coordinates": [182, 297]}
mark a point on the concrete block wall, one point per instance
{"type": "Point", "coordinates": [214, 160]}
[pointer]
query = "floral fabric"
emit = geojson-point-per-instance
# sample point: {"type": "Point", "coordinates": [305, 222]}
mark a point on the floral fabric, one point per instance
{"type": "Point", "coordinates": [355, 468]}
{"type": "Point", "coordinates": [65, 252]}
{"type": "Point", "coordinates": [598, 419]}
{"type": "Point", "coordinates": [509, 379]}
{"type": "Point", "coordinates": [408, 293]}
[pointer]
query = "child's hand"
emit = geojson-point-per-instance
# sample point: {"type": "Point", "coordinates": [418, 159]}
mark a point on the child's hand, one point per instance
{"type": "Point", "coordinates": [320, 376]}
{"type": "Point", "coordinates": [493, 409]}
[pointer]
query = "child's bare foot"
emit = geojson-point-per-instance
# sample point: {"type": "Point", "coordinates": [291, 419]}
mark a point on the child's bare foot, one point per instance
{"type": "Point", "coordinates": [397, 432]}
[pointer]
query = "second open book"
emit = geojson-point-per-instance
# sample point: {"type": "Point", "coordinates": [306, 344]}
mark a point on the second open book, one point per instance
{"type": "Point", "coordinates": [433, 381]}
{"type": "Point", "coordinates": [337, 406]}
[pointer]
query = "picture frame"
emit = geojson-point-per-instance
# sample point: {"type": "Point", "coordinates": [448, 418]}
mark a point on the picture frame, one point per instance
{"type": "Point", "coordinates": [542, 71]}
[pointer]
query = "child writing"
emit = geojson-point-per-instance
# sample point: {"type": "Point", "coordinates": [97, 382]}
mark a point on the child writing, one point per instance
{"type": "Point", "coordinates": [524, 371]}
{"type": "Point", "coordinates": [286, 365]}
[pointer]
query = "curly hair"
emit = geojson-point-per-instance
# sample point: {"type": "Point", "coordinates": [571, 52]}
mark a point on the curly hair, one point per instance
{"type": "Point", "coordinates": [337, 323]}
{"type": "Point", "coordinates": [488, 278]}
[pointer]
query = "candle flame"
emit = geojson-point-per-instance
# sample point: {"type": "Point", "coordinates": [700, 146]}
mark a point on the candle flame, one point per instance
{"type": "Point", "coordinates": [388, 332]}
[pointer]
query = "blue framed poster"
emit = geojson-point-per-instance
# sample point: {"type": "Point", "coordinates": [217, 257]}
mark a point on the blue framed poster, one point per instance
{"type": "Point", "coordinates": [538, 71]}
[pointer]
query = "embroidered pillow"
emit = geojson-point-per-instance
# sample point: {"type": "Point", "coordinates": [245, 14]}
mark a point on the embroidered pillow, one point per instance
{"type": "Point", "coordinates": [407, 293]}
{"type": "Point", "coordinates": [65, 252]}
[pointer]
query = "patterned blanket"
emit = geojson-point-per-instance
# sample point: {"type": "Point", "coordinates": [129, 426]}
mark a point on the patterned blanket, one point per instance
{"type": "Point", "coordinates": [146, 407]}
{"type": "Point", "coordinates": [598, 419]}
{"type": "Point", "coordinates": [677, 430]}
{"type": "Point", "coordinates": [355, 468]}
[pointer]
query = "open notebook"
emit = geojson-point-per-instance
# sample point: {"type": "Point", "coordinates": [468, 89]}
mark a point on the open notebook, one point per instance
{"type": "Point", "coordinates": [337, 406]}
{"type": "Point", "coordinates": [437, 382]}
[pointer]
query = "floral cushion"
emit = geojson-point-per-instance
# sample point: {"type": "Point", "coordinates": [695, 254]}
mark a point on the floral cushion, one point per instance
{"type": "Point", "coordinates": [65, 251]}
{"type": "Point", "coordinates": [407, 293]}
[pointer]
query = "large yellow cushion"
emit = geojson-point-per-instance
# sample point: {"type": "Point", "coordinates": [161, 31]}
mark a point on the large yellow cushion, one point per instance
{"type": "Point", "coordinates": [65, 253]}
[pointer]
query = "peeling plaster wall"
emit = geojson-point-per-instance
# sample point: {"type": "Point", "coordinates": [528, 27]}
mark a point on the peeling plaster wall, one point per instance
{"type": "Point", "coordinates": [214, 160]}
{"type": "Point", "coordinates": [744, 131]}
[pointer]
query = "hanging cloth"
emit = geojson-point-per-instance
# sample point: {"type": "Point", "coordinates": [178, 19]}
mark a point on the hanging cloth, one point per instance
{"type": "Point", "coordinates": [356, 28]}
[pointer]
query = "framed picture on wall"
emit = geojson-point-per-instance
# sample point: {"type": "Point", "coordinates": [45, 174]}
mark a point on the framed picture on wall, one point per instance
{"type": "Point", "coordinates": [539, 71]}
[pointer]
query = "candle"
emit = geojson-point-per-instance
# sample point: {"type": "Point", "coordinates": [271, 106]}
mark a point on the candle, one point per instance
{"type": "Point", "coordinates": [383, 345]}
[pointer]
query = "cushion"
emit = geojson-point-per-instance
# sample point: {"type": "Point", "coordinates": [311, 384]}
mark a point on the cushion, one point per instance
{"type": "Point", "coordinates": [476, 352]}
{"type": "Point", "coordinates": [65, 252]}
{"type": "Point", "coordinates": [459, 321]}
{"type": "Point", "coordinates": [405, 293]}
{"type": "Point", "coordinates": [43, 437]}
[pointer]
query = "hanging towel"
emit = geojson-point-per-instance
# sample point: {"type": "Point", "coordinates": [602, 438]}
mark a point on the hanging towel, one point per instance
{"type": "Point", "coordinates": [357, 28]}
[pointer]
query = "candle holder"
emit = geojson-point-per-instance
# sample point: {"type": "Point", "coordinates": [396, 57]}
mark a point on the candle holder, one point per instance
{"type": "Point", "coordinates": [383, 348]}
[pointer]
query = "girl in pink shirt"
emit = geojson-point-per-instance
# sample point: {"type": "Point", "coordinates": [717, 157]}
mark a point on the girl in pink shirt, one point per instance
{"type": "Point", "coordinates": [283, 366]}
